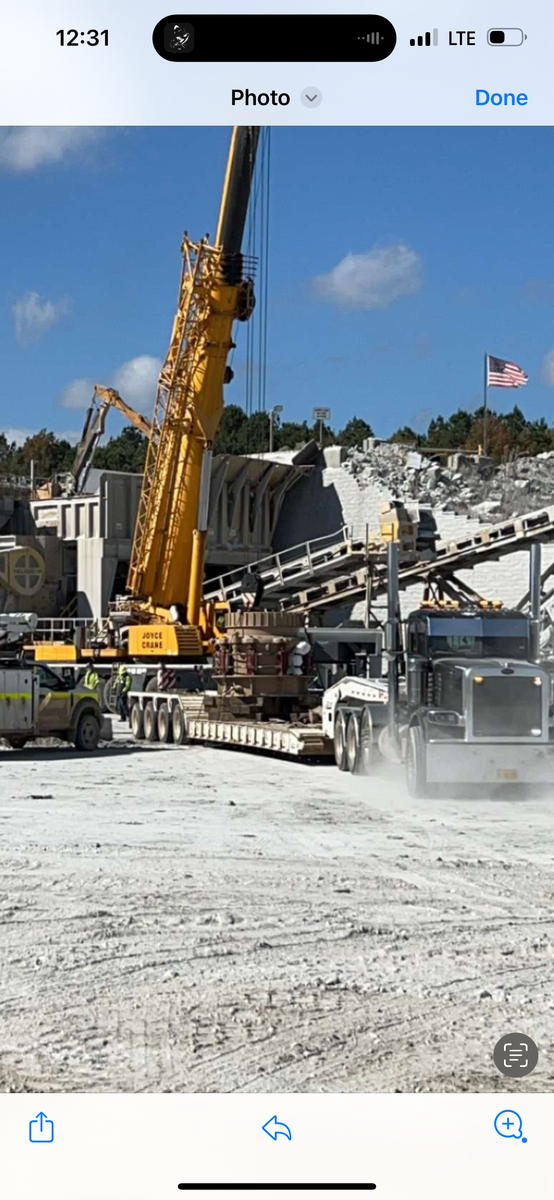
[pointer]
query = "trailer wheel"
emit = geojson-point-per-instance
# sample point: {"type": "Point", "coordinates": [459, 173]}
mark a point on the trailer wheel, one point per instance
{"type": "Point", "coordinates": [353, 743]}
{"type": "Point", "coordinates": [367, 749]}
{"type": "Point", "coordinates": [87, 733]}
{"type": "Point", "coordinates": [165, 728]}
{"type": "Point", "coordinates": [416, 765]}
{"type": "Point", "coordinates": [150, 723]}
{"type": "Point", "coordinates": [137, 722]}
{"type": "Point", "coordinates": [178, 725]}
{"type": "Point", "coordinates": [339, 740]}
{"type": "Point", "coordinates": [16, 742]}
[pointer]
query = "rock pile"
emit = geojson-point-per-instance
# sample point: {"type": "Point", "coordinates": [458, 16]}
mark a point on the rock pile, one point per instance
{"type": "Point", "coordinates": [467, 485]}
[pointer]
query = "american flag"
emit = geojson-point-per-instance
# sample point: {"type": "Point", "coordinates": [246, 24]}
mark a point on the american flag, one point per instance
{"type": "Point", "coordinates": [501, 373]}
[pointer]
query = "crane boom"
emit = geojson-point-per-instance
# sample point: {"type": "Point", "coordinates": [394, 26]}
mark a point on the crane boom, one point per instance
{"type": "Point", "coordinates": [167, 561]}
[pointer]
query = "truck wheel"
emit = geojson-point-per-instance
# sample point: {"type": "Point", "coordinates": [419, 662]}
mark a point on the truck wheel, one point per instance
{"type": "Point", "coordinates": [367, 749]}
{"type": "Point", "coordinates": [178, 726]}
{"type": "Point", "coordinates": [150, 723]}
{"type": "Point", "coordinates": [137, 722]}
{"type": "Point", "coordinates": [416, 766]}
{"type": "Point", "coordinates": [165, 729]}
{"type": "Point", "coordinates": [17, 743]}
{"type": "Point", "coordinates": [353, 744]}
{"type": "Point", "coordinates": [87, 733]}
{"type": "Point", "coordinates": [340, 741]}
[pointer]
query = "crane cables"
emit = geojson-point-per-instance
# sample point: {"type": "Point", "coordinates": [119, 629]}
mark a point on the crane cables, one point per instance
{"type": "Point", "coordinates": [257, 251]}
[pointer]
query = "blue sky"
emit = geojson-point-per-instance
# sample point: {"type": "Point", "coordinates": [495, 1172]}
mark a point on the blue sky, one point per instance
{"type": "Point", "coordinates": [397, 257]}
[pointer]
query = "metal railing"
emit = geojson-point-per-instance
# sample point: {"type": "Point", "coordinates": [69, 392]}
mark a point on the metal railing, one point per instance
{"type": "Point", "coordinates": [63, 629]}
{"type": "Point", "coordinates": [320, 557]}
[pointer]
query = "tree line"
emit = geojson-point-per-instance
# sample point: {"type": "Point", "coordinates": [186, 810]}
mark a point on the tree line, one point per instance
{"type": "Point", "coordinates": [507, 434]}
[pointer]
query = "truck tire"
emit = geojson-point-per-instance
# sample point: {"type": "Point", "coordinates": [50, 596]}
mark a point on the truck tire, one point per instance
{"type": "Point", "coordinates": [416, 765]}
{"type": "Point", "coordinates": [165, 728]}
{"type": "Point", "coordinates": [367, 747]}
{"type": "Point", "coordinates": [150, 723]}
{"type": "Point", "coordinates": [339, 739]}
{"type": "Point", "coordinates": [353, 744]}
{"type": "Point", "coordinates": [17, 743]}
{"type": "Point", "coordinates": [178, 725]}
{"type": "Point", "coordinates": [87, 733]}
{"type": "Point", "coordinates": [137, 722]}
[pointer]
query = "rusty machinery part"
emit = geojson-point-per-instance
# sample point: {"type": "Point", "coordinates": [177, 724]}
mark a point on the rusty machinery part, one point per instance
{"type": "Point", "coordinates": [259, 655]}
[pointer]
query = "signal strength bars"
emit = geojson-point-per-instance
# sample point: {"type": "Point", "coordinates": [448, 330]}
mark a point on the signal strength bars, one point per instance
{"type": "Point", "coordinates": [425, 39]}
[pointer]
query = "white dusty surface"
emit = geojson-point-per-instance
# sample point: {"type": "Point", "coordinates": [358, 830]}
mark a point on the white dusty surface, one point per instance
{"type": "Point", "coordinates": [198, 920]}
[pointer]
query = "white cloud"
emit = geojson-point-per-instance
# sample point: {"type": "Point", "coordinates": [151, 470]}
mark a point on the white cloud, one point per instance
{"type": "Point", "coordinates": [372, 280]}
{"type": "Point", "coordinates": [547, 372]}
{"type": "Point", "coordinates": [136, 380]}
{"type": "Point", "coordinates": [34, 315]}
{"type": "Point", "coordinates": [26, 147]}
{"type": "Point", "coordinates": [13, 434]}
{"type": "Point", "coordinates": [20, 435]}
{"type": "Point", "coordinates": [78, 393]}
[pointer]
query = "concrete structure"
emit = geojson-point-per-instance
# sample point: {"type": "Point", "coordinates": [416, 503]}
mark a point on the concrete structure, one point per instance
{"type": "Point", "coordinates": [246, 498]}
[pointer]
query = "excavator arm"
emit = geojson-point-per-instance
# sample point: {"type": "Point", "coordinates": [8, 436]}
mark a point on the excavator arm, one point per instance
{"type": "Point", "coordinates": [103, 399]}
{"type": "Point", "coordinates": [167, 562]}
{"type": "Point", "coordinates": [109, 396]}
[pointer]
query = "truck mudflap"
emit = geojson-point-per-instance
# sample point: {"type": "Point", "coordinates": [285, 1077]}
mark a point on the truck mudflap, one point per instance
{"type": "Point", "coordinates": [106, 730]}
{"type": "Point", "coordinates": [468, 762]}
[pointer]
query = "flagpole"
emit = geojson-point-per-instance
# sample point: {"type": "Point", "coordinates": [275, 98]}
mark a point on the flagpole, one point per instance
{"type": "Point", "coordinates": [485, 404]}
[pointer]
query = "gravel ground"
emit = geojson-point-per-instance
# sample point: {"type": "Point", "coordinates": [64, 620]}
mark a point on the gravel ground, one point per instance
{"type": "Point", "coordinates": [189, 919]}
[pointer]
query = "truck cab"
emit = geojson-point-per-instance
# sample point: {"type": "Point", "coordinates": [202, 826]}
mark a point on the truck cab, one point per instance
{"type": "Point", "coordinates": [436, 632]}
{"type": "Point", "coordinates": [478, 708]}
{"type": "Point", "coordinates": [37, 702]}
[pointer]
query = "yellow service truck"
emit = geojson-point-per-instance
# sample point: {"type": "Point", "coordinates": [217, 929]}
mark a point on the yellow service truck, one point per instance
{"type": "Point", "coordinates": [35, 702]}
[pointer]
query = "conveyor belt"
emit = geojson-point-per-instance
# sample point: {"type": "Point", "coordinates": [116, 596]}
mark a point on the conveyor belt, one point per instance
{"type": "Point", "coordinates": [485, 545]}
{"type": "Point", "coordinates": [335, 568]}
{"type": "Point", "coordinates": [323, 558]}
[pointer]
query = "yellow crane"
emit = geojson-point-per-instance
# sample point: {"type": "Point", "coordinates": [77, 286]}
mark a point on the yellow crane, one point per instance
{"type": "Point", "coordinates": [167, 561]}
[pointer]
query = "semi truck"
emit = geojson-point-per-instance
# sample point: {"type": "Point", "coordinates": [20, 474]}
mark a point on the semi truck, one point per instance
{"type": "Point", "coordinates": [465, 700]}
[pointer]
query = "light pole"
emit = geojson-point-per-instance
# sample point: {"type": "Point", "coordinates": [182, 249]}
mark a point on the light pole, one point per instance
{"type": "Point", "coordinates": [277, 408]}
{"type": "Point", "coordinates": [321, 415]}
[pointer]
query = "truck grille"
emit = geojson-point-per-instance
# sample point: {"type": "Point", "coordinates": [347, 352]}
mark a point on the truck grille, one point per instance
{"type": "Point", "coordinates": [507, 706]}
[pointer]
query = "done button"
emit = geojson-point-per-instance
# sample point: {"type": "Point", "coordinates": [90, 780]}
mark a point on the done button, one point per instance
{"type": "Point", "coordinates": [482, 97]}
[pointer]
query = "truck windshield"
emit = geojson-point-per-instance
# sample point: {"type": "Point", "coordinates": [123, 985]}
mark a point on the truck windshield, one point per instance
{"type": "Point", "coordinates": [478, 637]}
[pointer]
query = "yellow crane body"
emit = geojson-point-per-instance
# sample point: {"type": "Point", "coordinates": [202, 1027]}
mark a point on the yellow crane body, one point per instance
{"type": "Point", "coordinates": [167, 562]}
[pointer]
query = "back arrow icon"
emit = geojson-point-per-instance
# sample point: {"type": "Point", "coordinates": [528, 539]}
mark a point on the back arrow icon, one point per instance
{"type": "Point", "coordinates": [278, 1127]}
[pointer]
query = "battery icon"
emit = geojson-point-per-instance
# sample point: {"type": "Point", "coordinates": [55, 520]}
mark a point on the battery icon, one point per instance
{"type": "Point", "coordinates": [506, 37]}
